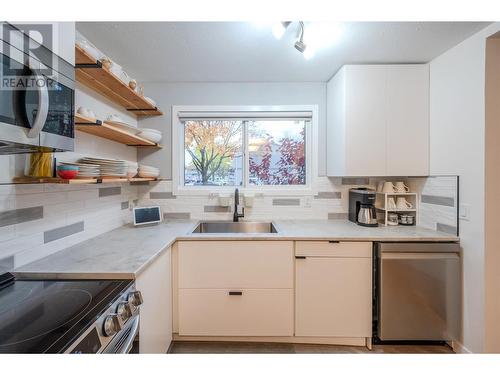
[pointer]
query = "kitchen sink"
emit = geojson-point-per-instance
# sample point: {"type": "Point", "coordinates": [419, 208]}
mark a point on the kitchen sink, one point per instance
{"type": "Point", "coordinates": [232, 227]}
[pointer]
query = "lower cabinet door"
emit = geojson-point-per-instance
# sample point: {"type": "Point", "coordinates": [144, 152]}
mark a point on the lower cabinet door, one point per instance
{"type": "Point", "coordinates": [156, 312]}
{"type": "Point", "coordinates": [333, 297]}
{"type": "Point", "coordinates": [247, 312]}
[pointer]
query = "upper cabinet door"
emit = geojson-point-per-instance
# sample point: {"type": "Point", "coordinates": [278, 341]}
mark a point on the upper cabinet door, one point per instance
{"type": "Point", "coordinates": [408, 120]}
{"type": "Point", "coordinates": [365, 120]}
{"type": "Point", "coordinates": [378, 121]}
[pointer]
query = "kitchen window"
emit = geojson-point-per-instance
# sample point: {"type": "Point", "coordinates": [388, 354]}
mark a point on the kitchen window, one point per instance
{"type": "Point", "coordinates": [218, 149]}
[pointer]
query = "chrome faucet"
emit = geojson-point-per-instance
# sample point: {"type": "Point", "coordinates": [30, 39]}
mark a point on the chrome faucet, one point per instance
{"type": "Point", "coordinates": [236, 213]}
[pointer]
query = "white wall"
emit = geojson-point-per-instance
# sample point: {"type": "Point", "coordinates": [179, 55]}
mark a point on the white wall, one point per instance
{"type": "Point", "coordinates": [457, 147]}
{"type": "Point", "coordinates": [168, 94]}
{"type": "Point", "coordinates": [492, 182]}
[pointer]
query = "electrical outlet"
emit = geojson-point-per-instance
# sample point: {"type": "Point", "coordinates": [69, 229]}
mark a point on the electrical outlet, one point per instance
{"type": "Point", "coordinates": [464, 212]}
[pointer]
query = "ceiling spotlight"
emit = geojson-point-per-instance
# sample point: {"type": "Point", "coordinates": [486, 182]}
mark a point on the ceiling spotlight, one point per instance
{"type": "Point", "coordinates": [280, 28]}
{"type": "Point", "coordinates": [299, 44]}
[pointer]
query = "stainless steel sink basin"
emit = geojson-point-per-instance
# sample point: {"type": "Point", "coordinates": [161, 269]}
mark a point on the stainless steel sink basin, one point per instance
{"type": "Point", "coordinates": [231, 227]}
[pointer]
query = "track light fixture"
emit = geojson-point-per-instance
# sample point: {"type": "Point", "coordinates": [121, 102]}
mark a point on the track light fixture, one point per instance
{"type": "Point", "coordinates": [319, 35]}
{"type": "Point", "coordinates": [299, 44]}
{"type": "Point", "coordinates": [280, 28]}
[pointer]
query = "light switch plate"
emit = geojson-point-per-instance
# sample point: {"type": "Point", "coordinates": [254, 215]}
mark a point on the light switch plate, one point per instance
{"type": "Point", "coordinates": [464, 212]}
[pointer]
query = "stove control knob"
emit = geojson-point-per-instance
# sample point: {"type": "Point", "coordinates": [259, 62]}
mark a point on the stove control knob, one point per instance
{"type": "Point", "coordinates": [112, 324]}
{"type": "Point", "coordinates": [135, 298]}
{"type": "Point", "coordinates": [124, 311]}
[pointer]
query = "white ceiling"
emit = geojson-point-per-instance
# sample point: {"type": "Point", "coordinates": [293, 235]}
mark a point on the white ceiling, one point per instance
{"type": "Point", "coordinates": [244, 52]}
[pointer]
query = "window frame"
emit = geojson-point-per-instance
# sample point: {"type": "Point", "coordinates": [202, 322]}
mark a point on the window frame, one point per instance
{"type": "Point", "coordinates": [311, 137]}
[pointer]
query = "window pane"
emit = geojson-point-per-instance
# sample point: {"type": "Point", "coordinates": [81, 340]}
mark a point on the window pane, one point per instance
{"type": "Point", "coordinates": [277, 152]}
{"type": "Point", "coordinates": [213, 153]}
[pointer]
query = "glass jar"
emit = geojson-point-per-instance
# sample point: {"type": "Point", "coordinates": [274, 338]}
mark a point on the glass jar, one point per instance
{"type": "Point", "coordinates": [40, 164]}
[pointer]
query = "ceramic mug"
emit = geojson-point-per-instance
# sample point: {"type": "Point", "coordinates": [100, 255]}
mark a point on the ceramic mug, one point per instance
{"type": "Point", "coordinates": [392, 219]}
{"type": "Point", "coordinates": [84, 111]}
{"type": "Point", "coordinates": [380, 186]}
{"type": "Point", "coordinates": [403, 204]}
{"type": "Point", "coordinates": [400, 187]}
{"type": "Point", "coordinates": [391, 203]}
{"type": "Point", "coordinates": [388, 187]}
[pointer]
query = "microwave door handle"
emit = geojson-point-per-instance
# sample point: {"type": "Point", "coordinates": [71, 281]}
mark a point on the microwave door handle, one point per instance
{"type": "Point", "coordinates": [43, 107]}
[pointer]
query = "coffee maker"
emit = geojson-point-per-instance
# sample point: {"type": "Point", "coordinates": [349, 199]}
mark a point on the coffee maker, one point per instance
{"type": "Point", "coordinates": [362, 207]}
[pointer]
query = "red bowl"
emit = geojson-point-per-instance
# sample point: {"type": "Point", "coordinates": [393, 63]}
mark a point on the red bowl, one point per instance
{"type": "Point", "coordinates": [67, 175]}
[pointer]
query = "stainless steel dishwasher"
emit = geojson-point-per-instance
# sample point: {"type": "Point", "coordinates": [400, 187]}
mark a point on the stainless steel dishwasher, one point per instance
{"type": "Point", "coordinates": [417, 291]}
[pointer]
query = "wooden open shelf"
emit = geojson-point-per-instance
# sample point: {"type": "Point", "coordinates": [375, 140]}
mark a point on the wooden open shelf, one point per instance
{"type": "Point", "coordinates": [78, 181]}
{"type": "Point", "coordinates": [82, 120]}
{"type": "Point", "coordinates": [91, 73]}
{"type": "Point", "coordinates": [111, 132]}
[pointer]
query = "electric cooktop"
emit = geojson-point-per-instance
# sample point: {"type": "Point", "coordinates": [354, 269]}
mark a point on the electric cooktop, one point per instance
{"type": "Point", "coordinates": [46, 316]}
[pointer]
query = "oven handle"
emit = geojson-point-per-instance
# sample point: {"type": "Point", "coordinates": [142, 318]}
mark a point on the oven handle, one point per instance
{"type": "Point", "coordinates": [127, 346]}
{"type": "Point", "coordinates": [43, 105]}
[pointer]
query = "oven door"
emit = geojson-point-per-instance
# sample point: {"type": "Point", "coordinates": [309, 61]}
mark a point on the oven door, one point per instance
{"type": "Point", "coordinates": [36, 110]}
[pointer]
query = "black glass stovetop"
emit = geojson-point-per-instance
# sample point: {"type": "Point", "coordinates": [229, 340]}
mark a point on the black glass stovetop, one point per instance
{"type": "Point", "coordinates": [46, 316]}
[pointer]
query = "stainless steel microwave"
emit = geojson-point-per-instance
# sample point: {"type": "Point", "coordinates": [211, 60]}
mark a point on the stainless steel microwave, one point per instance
{"type": "Point", "coordinates": [36, 100]}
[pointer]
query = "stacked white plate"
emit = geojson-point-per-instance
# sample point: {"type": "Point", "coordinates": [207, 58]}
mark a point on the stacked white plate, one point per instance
{"type": "Point", "coordinates": [132, 169]}
{"type": "Point", "coordinates": [108, 167]}
{"type": "Point", "coordinates": [146, 171]}
{"type": "Point", "coordinates": [86, 170]}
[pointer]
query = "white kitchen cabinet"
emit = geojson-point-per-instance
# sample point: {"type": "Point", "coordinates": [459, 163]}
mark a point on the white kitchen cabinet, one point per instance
{"type": "Point", "coordinates": [378, 121]}
{"type": "Point", "coordinates": [333, 289]}
{"type": "Point", "coordinates": [155, 334]}
{"type": "Point", "coordinates": [234, 288]}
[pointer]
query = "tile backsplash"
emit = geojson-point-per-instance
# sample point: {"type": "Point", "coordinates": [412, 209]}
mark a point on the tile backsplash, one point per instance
{"type": "Point", "coordinates": [329, 202]}
{"type": "Point", "coordinates": [39, 219]}
{"type": "Point", "coordinates": [438, 206]}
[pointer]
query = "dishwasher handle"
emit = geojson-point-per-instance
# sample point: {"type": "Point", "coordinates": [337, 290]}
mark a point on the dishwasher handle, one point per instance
{"type": "Point", "coordinates": [419, 256]}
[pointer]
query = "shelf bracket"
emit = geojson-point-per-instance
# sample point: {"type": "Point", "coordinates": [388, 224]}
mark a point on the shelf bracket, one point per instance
{"type": "Point", "coordinates": [96, 65]}
{"type": "Point", "coordinates": [138, 145]}
{"type": "Point", "coordinates": [142, 109]}
{"type": "Point", "coordinates": [96, 123]}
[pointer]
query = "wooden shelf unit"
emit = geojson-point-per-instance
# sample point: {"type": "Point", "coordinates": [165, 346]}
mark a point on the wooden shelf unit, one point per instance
{"type": "Point", "coordinates": [92, 74]}
{"type": "Point", "coordinates": [111, 132]}
{"type": "Point", "coordinates": [78, 181]}
{"type": "Point", "coordinates": [381, 204]}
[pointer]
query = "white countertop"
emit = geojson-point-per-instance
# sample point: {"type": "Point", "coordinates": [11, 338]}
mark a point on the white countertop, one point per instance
{"type": "Point", "coordinates": [125, 252]}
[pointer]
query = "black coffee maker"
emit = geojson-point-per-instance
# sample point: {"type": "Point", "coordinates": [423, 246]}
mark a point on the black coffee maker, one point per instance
{"type": "Point", "coordinates": [362, 207]}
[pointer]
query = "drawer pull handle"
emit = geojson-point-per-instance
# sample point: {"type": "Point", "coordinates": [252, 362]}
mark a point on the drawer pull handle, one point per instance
{"type": "Point", "coordinates": [299, 257]}
{"type": "Point", "coordinates": [334, 241]}
{"type": "Point", "coordinates": [235, 293]}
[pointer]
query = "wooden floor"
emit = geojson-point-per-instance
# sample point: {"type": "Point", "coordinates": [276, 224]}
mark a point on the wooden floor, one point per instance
{"type": "Point", "coordinates": [183, 347]}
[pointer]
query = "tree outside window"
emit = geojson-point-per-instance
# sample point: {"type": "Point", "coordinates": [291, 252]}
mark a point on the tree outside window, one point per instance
{"type": "Point", "coordinates": [214, 152]}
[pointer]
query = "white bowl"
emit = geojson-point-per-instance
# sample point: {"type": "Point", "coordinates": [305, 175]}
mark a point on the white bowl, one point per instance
{"type": "Point", "coordinates": [148, 168]}
{"type": "Point", "coordinates": [148, 171]}
{"type": "Point", "coordinates": [148, 175]}
{"type": "Point", "coordinates": [151, 130]}
{"type": "Point", "coordinates": [150, 136]}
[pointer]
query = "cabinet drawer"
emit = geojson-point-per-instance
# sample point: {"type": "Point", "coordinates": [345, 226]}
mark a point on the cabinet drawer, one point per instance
{"type": "Point", "coordinates": [214, 312]}
{"type": "Point", "coordinates": [333, 249]}
{"type": "Point", "coordinates": [235, 264]}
